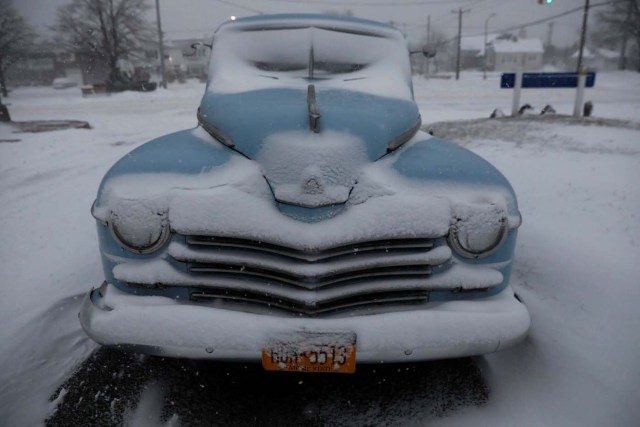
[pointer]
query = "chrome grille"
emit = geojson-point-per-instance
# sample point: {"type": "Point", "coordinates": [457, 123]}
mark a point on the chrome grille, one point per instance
{"type": "Point", "coordinates": [355, 301]}
{"type": "Point", "coordinates": [309, 280]}
{"type": "Point", "coordinates": [312, 254]}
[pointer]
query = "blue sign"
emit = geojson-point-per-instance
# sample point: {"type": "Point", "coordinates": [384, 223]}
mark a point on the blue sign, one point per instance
{"type": "Point", "coordinates": [546, 80]}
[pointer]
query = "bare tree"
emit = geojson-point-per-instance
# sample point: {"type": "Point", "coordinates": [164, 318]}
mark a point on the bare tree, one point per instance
{"type": "Point", "coordinates": [619, 24]}
{"type": "Point", "coordinates": [436, 43]}
{"type": "Point", "coordinates": [15, 37]}
{"type": "Point", "coordinates": [103, 30]}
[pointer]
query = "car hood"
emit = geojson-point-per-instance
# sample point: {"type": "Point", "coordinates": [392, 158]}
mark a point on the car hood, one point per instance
{"type": "Point", "coordinates": [309, 165]}
{"type": "Point", "coordinates": [205, 188]}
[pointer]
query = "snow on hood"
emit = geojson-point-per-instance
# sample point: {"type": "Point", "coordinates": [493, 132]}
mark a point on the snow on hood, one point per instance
{"type": "Point", "coordinates": [312, 170]}
{"type": "Point", "coordinates": [306, 168]}
{"type": "Point", "coordinates": [234, 200]}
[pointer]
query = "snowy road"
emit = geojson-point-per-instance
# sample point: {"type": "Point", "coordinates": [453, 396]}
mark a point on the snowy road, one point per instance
{"type": "Point", "coordinates": [576, 269]}
{"type": "Point", "coordinates": [204, 393]}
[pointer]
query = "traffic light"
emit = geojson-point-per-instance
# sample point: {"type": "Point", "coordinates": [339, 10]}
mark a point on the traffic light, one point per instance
{"type": "Point", "coordinates": [545, 1]}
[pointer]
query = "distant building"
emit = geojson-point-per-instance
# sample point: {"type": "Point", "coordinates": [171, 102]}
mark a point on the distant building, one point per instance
{"type": "Point", "coordinates": [44, 63]}
{"type": "Point", "coordinates": [510, 53]}
{"type": "Point", "coordinates": [181, 61]}
{"type": "Point", "coordinates": [70, 66]}
{"type": "Point", "coordinates": [181, 57]}
{"type": "Point", "coordinates": [472, 51]}
{"type": "Point", "coordinates": [34, 68]}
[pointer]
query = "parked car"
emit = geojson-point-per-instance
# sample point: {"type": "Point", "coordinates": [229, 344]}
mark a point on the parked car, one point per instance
{"type": "Point", "coordinates": [306, 221]}
{"type": "Point", "coordinates": [63, 83]}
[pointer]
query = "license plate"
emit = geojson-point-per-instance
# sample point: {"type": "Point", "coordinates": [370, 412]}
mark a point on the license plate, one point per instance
{"type": "Point", "coordinates": [323, 352]}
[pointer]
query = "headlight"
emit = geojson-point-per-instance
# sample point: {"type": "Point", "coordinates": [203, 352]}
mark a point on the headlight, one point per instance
{"type": "Point", "coordinates": [479, 233]}
{"type": "Point", "coordinates": [138, 228]}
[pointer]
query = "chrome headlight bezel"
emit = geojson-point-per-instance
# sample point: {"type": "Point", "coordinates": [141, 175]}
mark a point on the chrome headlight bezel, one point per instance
{"type": "Point", "coordinates": [153, 244]}
{"type": "Point", "coordinates": [473, 253]}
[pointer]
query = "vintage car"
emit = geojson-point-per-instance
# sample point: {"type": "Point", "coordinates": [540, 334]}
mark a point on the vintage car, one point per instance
{"type": "Point", "coordinates": [306, 222]}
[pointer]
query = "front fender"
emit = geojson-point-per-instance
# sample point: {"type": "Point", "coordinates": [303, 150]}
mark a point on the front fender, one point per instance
{"type": "Point", "coordinates": [434, 161]}
{"type": "Point", "coordinates": [187, 152]}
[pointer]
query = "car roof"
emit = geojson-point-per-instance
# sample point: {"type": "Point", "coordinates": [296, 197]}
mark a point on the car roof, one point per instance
{"type": "Point", "coordinates": [346, 24]}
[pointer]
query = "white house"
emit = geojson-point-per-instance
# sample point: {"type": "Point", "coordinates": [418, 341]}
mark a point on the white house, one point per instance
{"type": "Point", "coordinates": [510, 53]}
{"type": "Point", "coordinates": [472, 51]}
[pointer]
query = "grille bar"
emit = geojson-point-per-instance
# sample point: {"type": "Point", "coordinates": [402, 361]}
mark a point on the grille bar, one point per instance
{"type": "Point", "coordinates": [357, 301]}
{"type": "Point", "coordinates": [312, 282]}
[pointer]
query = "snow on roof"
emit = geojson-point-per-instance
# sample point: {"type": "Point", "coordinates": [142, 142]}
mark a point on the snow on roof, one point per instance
{"type": "Point", "coordinates": [363, 56]}
{"type": "Point", "coordinates": [476, 42]}
{"type": "Point", "coordinates": [518, 45]}
{"type": "Point", "coordinates": [296, 20]}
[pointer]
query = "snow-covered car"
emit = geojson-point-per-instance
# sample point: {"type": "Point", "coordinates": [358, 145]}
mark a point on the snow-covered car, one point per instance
{"type": "Point", "coordinates": [306, 221]}
{"type": "Point", "coordinates": [63, 83]}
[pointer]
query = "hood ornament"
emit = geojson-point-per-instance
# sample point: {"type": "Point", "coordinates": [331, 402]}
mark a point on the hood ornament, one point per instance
{"type": "Point", "coordinates": [312, 186]}
{"type": "Point", "coordinates": [314, 111]}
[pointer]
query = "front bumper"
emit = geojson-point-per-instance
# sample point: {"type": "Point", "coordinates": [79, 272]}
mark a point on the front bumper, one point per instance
{"type": "Point", "coordinates": [168, 327]}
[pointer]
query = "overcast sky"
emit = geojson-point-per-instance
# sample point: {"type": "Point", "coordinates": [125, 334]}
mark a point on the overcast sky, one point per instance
{"type": "Point", "coordinates": [187, 18]}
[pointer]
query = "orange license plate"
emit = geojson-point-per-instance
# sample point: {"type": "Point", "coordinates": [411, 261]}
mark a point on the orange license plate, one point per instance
{"type": "Point", "coordinates": [312, 352]}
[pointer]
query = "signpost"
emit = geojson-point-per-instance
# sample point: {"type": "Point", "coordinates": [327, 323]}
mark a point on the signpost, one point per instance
{"type": "Point", "coordinates": [519, 80]}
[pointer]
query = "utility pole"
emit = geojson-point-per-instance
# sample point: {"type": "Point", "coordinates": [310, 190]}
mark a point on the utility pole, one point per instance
{"type": "Point", "coordinates": [426, 60]}
{"type": "Point", "coordinates": [163, 81]}
{"type": "Point", "coordinates": [623, 49]}
{"type": "Point", "coordinates": [550, 33]}
{"type": "Point", "coordinates": [459, 12]}
{"type": "Point", "coordinates": [549, 54]}
{"type": "Point", "coordinates": [583, 34]}
{"type": "Point", "coordinates": [484, 51]}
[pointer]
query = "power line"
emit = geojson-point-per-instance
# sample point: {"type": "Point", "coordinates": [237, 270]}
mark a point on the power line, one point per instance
{"type": "Point", "coordinates": [239, 6]}
{"type": "Point", "coordinates": [371, 3]}
{"type": "Point", "coordinates": [489, 6]}
{"type": "Point", "coordinates": [440, 22]}
{"type": "Point", "coordinates": [541, 21]}
{"type": "Point", "coordinates": [446, 17]}
{"type": "Point", "coordinates": [528, 24]}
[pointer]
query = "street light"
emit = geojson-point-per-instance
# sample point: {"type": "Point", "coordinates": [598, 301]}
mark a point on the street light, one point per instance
{"type": "Point", "coordinates": [484, 57]}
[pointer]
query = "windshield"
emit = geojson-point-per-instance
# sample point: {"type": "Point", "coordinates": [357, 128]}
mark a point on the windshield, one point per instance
{"type": "Point", "coordinates": [256, 58]}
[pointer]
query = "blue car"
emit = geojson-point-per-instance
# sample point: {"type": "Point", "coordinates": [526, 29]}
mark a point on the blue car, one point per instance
{"type": "Point", "coordinates": [306, 222]}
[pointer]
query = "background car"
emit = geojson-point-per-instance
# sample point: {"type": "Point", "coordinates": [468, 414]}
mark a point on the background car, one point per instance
{"type": "Point", "coordinates": [63, 83]}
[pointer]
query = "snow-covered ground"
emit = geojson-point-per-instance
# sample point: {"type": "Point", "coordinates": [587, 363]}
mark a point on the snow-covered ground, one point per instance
{"type": "Point", "coordinates": [577, 263]}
